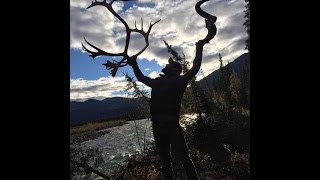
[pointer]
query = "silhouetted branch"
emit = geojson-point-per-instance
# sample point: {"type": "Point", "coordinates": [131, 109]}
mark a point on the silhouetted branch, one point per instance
{"type": "Point", "coordinates": [88, 168]}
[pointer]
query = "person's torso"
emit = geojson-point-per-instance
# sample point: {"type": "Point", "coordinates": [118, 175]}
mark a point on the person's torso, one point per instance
{"type": "Point", "coordinates": [166, 98]}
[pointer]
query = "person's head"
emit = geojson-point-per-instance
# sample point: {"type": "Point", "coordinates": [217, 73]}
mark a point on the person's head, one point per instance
{"type": "Point", "coordinates": [173, 67]}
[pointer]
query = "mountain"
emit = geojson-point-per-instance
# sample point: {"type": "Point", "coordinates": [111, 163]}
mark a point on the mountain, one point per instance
{"type": "Point", "coordinates": [93, 110]}
{"type": "Point", "coordinates": [236, 65]}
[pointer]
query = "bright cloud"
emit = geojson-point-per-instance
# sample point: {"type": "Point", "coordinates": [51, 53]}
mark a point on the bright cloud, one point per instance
{"type": "Point", "coordinates": [180, 26]}
{"type": "Point", "coordinates": [81, 89]}
{"type": "Point", "coordinates": [153, 74]}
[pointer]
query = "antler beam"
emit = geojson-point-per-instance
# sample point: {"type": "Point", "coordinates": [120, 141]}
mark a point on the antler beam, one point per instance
{"type": "Point", "coordinates": [100, 52]}
{"type": "Point", "coordinates": [113, 66]}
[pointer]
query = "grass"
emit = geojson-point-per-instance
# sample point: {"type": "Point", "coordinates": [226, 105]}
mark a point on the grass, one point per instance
{"type": "Point", "coordinates": [97, 126]}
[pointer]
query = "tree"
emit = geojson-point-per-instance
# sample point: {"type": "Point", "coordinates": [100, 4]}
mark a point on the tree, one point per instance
{"type": "Point", "coordinates": [246, 74]}
{"type": "Point", "coordinates": [235, 90]}
{"type": "Point", "coordinates": [195, 94]}
{"type": "Point", "coordinates": [247, 23]}
{"type": "Point", "coordinates": [137, 92]}
{"type": "Point", "coordinates": [223, 82]}
{"type": "Point", "coordinates": [246, 83]}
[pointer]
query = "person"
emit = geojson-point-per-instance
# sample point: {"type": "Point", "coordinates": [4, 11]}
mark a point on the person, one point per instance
{"type": "Point", "coordinates": [166, 96]}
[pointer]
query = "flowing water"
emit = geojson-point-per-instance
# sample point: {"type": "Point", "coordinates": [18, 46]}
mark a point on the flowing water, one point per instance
{"type": "Point", "coordinates": [122, 142]}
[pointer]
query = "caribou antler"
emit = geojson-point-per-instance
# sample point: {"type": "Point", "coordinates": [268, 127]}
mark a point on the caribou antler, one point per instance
{"type": "Point", "coordinates": [113, 66]}
{"type": "Point", "coordinates": [209, 19]}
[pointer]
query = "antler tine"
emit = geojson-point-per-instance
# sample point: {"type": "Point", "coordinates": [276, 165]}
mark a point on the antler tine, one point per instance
{"type": "Point", "coordinates": [100, 52]}
{"type": "Point", "coordinates": [97, 3]}
{"type": "Point", "coordinates": [141, 24]}
{"type": "Point", "coordinates": [114, 66]}
{"type": "Point", "coordinates": [87, 50]}
{"type": "Point", "coordinates": [143, 33]}
{"type": "Point", "coordinates": [119, 64]}
{"type": "Point", "coordinates": [151, 24]}
{"type": "Point", "coordinates": [146, 36]}
{"type": "Point", "coordinates": [121, 0]}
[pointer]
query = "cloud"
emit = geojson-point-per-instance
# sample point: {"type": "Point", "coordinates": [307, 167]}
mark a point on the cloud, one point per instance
{"type": "Point", "coordinates": [180, 26]}
{"type": "Point", "coordinates": [82, 89]}
{"type": "Point", "coordinates": [153, 74]}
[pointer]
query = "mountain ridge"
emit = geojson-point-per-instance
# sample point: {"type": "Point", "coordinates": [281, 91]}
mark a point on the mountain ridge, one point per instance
{"type": "Point", "coordinates": [237, 65]}
{"type": "Point", "coordinates": [93, 110]}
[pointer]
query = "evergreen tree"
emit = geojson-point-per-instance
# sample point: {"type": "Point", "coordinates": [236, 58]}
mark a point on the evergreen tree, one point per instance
{"type": "Point", "coordinates": [246, 71]}
{"type": "Point", "coordinates": [247, 23]}
{"type": "Point", "coordinates": [246, 83]}
{"type": "Point", "coordinates": [195, 104]}
{"type": "Point", "coordinates": [223, 82]}
{"type": "Point", "coordinates": [235, 90]}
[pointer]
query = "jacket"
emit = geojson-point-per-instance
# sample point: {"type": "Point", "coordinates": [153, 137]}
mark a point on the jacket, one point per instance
{"type": "Point", "coordinates": [167, 91]}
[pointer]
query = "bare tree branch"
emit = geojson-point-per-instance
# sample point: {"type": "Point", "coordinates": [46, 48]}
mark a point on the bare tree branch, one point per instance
{"type": "Point", "coordinates": [88, 168]}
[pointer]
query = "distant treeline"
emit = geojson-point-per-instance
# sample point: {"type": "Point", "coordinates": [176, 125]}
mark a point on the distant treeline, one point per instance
{"type": "Point", "coordinates": [127, 117]}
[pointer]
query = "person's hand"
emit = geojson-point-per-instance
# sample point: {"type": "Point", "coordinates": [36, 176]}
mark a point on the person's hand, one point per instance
{"type": "Point", "coordinates": [132, 62]}
{"type": "Point", "coordinates": [200, 43]}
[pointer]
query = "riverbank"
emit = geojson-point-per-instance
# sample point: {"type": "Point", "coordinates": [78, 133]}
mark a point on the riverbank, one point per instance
{"type": "Point", "coordinates": [115, 147]}
{"type": "Point", "coordinates": [217, 152]}
{"type": "Point", "coordinates": [218, 147]}
{"type": "Point", "coordinates": [96, 126]}
{"type": "Point", "coordinates": [91, 131]}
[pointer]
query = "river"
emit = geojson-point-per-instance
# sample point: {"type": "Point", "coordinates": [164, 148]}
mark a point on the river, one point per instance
{"type": "Point", "coordinates": [122, 142]}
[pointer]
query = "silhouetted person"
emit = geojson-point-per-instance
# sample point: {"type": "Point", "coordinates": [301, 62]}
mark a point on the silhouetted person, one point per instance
{"type": "Point", "coordinates": [166, 95]}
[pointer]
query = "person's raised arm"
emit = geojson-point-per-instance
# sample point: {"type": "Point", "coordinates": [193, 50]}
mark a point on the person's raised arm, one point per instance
{"type": "Point", "coordinates": [142, 78]}
{"type": "Point", "coordinates": [196, 63]}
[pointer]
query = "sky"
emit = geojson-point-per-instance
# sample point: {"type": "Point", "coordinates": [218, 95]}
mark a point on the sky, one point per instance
{"type": "Point", "coordinates": [180, 26]}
